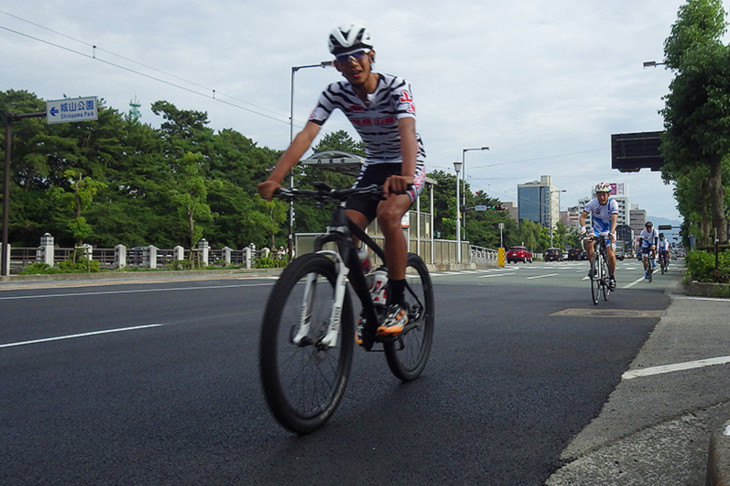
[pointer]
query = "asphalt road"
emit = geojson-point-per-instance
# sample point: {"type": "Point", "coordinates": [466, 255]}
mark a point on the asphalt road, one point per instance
{"type": "Point", "coordinates": [157, 383]}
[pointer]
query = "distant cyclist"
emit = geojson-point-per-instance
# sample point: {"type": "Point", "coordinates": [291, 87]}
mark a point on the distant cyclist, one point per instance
{"type": "Point", "coordinates": [648, 241]}
{"type": "Point", "coordinates": [382, 110]}
{"type": "Point", "coordinates": [663, 250]}
{"type": "Point", "coordinates": [604, 215]}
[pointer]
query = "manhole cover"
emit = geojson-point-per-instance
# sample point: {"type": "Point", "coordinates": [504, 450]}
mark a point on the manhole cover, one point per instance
{"type": "Point", "coordinates": [597, 312]}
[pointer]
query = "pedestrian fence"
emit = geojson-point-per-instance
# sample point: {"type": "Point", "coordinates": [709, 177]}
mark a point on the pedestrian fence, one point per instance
{"type": "Point", "coordinates": [150, 256]}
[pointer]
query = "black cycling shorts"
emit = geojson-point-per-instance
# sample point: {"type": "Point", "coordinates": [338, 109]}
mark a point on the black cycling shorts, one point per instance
{"type": "Point", "coordinates": [377, 174]}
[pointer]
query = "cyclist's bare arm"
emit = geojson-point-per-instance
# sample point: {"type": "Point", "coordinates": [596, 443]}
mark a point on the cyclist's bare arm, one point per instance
{"type": "Point", "coordinates": [288, 160]}
{"type": "Point", "coordinates": [409, 152]}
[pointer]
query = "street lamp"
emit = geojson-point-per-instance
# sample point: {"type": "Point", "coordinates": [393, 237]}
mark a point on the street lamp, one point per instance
{"type": "Point", "coordinates": [653, 64]}
{"type": "Point", "coordinates": [294, 69]}
{"type": "Point", "coordinates": [463, 177]}
{"type": "Point", "coordinates": [457, 168]}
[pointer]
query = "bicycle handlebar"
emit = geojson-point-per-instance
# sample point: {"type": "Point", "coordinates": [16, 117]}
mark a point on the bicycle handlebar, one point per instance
{"type": "Point", "coordinates": [323, 192]}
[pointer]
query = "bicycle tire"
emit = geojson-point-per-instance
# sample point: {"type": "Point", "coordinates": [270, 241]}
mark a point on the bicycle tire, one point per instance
{"type": "Point", "coordinates": [596, 278]}
{"type": "Point", "coordinates": [605, 289]}
{"type": "Point", "coordinates": [408, 354]}
{"type": "Point", "coordinates": [304, 384]}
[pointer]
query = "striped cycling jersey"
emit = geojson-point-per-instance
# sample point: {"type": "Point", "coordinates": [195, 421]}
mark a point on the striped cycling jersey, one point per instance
{"type": "Point", "coordinates": [375, 121]}
{"type": "Point", "coordinates": [601, 214]}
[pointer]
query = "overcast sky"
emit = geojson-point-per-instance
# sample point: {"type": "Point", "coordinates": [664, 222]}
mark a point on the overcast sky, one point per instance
{"type": "Point", "coordinates": [543, 84]}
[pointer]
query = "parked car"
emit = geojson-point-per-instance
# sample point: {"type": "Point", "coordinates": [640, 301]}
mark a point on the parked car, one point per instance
{"type": "Point", "coordinates": [584, 255]}
{"type": "Point", "coordinates": [519, 254]}
{"type": "Point", "coordinates": [574, 254]}
{"type": "Point", "coordinates": [620, 255]}
{"type": "Point", "coordinates": [553, 255]}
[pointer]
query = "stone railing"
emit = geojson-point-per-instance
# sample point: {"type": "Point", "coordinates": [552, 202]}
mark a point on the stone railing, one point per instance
{"type": "Point", "coordinates": [141, 256]}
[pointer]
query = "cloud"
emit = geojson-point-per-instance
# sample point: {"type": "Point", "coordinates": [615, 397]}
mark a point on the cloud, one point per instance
{"type": "Point", "coordinates": [543, 84]}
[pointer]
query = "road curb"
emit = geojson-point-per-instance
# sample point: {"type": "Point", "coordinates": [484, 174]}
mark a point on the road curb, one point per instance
{"type": "Point", "coordinates": [718, 462]}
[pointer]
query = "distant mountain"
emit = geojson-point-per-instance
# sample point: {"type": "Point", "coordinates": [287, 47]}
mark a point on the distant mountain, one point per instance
{"type": "Point", "coordinates": [657, 221]}
{"type": "Point", "coordinates": [670, 234]}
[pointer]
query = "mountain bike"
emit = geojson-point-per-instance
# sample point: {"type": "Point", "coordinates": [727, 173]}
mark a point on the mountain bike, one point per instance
{"type": "Point", "coordinates": [307, 332]}
{"type": "Point", "coordinates": [598, 273]}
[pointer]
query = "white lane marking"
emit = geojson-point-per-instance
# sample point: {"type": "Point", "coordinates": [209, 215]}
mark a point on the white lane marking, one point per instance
{"type": "Point", "coordinates": [173, 289]}
{"type": "Point", "coordinates": [74, 336]}
{"type": "Point", "coordinates": [658, 370]}
{"type": "Point", "coordinates": [638, 280]}
{"type": "Point", "coordinates": [496, 275]}
{"type": "Point", "coordinates": [542, 276]}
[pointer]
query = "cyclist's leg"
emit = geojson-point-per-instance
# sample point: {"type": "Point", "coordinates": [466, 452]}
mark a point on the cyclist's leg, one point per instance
{"type": "Point", "coordinates": [390, 213]}
{"type": "Point", "coordinates": [611, 261]}
{"type": "Point", "coordinates": [589, 251]}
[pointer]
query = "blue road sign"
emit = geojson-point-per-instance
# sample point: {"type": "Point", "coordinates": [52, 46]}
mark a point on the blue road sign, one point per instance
{"type": "Point", "coordinates": [71, 110]}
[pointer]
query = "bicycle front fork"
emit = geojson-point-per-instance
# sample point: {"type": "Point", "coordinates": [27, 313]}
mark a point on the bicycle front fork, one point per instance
{"type": "Point", "coordinates": [329, 340]}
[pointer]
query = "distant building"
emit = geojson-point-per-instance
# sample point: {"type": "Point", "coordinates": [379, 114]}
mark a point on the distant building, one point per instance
{"type": "Point", "coordinates": [570, 217]}
{"type": "Point", "coordinates": [539, 201]}
{"type": "Point", "coordinates": [512, 210]}
{"type": "Point", "coordinates": [637, 218]}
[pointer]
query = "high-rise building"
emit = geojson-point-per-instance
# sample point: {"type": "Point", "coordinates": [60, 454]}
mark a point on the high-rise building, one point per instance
{"type": "Point", "coordinates": [539, 201]}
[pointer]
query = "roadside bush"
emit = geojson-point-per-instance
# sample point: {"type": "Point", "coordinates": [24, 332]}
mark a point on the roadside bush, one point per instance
{"type": "Point", "coordinates": [701, 266]}
{"type": "Point", "coordinates": [80, 265]}
{"type": "Point", "coordinates": [270, 263]}
{"type": "Point", "coordinates": [38, 268]}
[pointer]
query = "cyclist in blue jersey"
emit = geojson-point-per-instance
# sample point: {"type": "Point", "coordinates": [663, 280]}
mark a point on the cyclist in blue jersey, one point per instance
{"type": "Point", "coordinates": [381, 109]}
{"type": "Point", "coordinates": [604, 216]}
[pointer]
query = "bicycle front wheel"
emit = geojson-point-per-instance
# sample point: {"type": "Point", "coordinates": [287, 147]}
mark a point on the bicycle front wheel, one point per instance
{"type": "Point", "coordinates": [304, 379]}
{"type": "Point", "coordinates": [596, 278]}
{"type": "Point", "coordinates": [408, 354]}
{"type": "Point", "coordinates": [604, 278]}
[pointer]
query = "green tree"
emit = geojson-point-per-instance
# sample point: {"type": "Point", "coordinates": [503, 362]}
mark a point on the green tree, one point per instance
{"type": "Point", "coordinates": [697, 110]}
{"type": "Point", "coordinates": [189, 193]}
{"type": "Point", "coordinates": [81, 191]}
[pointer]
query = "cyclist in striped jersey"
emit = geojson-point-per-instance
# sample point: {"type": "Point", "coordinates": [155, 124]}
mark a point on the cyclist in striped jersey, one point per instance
{"type": "Point", "coordinates": [382, 110]}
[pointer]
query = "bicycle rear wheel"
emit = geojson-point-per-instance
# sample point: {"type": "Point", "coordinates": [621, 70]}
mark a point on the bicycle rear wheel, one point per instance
{"type": "Point", "coordinates": [303, 383]}
{"type": "Point", "coordinates": [596, 277]}
{"type": "Point", "coordinates": [408, 354]}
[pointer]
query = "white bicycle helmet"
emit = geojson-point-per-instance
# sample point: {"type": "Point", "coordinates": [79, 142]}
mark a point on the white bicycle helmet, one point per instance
{"type": "Point", "coordinates": [603, 187]}
{"type": "Point", "coordinates": [349, 38]}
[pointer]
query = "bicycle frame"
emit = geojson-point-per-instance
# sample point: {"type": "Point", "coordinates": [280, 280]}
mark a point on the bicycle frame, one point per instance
{"type": "Point", "coordinates": [340, 232]}
{"type": "Point", "coordinates": [349, 269]}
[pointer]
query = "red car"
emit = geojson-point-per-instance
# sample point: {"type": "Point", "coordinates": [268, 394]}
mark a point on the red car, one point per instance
{"type": "Point", "coordinates": [519, 254]}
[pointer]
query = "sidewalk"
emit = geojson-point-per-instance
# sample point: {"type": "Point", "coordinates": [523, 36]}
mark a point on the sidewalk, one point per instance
{"type": "Point", "coordinates": [668, 420]}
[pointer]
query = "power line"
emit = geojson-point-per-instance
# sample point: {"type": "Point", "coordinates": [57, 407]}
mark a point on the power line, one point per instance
{"type": "Point", "coordinates": [213, 93]}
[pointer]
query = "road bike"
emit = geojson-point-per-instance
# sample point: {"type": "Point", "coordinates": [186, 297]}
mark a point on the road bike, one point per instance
{"type": "Point", "coordinates": [649, 267]}
{"type": "Point", "coordinates": [598, 273]}
{"type": "Point", "coordinates": [663, 262]}
{"type": "Point", "coordinates": [308, 330]}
